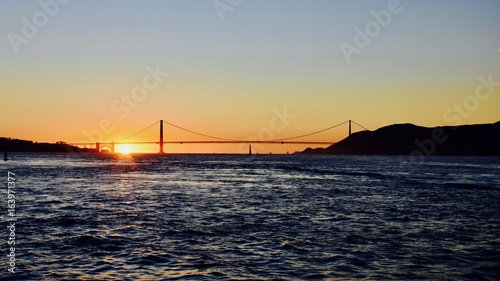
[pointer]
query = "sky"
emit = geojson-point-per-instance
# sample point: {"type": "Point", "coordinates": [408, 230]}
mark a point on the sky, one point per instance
{"type": "Point", "coordinates": [82, 71]}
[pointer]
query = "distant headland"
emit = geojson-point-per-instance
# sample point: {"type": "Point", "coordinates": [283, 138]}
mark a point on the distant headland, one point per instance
{"type": "Point", "coordinates": [17, 145]}
{"type": "Point", "coordinates": [409, 139]}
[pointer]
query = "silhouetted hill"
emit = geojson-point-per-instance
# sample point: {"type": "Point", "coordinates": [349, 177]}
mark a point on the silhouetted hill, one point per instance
{"type": "Point", "coordinates": [16, 145]}
{"type": "Point", "coordinates": [405, 139]}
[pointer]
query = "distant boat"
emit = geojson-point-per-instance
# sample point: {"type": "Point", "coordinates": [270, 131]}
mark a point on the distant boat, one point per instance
{"type": "Point", "coordinates": [5, 156]}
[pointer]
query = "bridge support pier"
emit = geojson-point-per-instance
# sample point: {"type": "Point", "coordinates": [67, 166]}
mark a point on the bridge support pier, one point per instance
{"type": "Point", "coordinates": [112, 147]}
{"type": "Point", "coordinates": [97, 147]}
{"type": "Point", "coordinates": [161, 137]}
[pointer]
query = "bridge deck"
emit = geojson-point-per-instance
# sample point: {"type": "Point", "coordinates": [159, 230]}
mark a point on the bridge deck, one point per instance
{"type": "Point", "coordinates": [217, 140]}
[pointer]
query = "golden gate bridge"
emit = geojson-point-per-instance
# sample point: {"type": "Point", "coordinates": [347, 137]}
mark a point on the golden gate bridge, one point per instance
{"type": "Point", "coordinates": [327, 136]}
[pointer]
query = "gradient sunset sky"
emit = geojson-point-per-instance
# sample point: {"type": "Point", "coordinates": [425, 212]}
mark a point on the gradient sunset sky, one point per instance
{"type": "Point", "coordinates": [228, 72]}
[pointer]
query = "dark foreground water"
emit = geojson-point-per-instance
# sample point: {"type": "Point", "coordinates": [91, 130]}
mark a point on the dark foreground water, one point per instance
{"type": "Point", "coordinates": [213, 217]}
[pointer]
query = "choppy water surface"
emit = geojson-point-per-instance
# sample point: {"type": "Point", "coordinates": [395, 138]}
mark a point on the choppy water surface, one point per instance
{"type": "Point", "coordinates": [206, 217]}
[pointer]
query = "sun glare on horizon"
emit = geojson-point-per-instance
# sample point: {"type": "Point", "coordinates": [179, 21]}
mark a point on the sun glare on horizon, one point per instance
{"type": "Point", "coordinates": [125, 149]}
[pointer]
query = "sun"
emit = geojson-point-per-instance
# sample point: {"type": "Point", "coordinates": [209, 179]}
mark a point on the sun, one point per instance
{"type": "Point", "coordinates": [125, 149]}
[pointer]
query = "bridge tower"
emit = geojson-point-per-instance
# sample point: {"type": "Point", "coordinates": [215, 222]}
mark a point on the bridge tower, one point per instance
{"type": "Point", "coordinates": [161, 137]}
{"type": "Point", "coordinates": [350, 126]}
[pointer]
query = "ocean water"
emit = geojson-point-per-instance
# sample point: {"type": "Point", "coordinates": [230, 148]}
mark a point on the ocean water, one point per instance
{"type": "Point", "coordinates": [262, 217]}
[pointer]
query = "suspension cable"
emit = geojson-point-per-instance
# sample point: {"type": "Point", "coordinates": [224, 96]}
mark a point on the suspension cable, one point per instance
{"type": "Point", "coordinates": [196, 133]}
{"type": "Point", "coordinates": [139, 131]}
{"type": "Point", "coordinates": [313, 133]}
{"type": "Point", "coordinates": [360, 126]}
